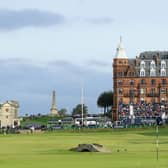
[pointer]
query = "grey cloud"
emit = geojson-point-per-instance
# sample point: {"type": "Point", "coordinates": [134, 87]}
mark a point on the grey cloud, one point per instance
{"type": "Point", "coordinates": [16, 19]}
{"type": "Point", "coordinates": [102, 20]}
{"type": "Point", "coordinates": [31, 85]}
{"type": "Point", "coordinates": [66, 65]}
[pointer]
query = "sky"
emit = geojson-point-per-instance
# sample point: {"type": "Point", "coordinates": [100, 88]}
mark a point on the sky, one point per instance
{"type": "Point", "coordinates": [62, 45]}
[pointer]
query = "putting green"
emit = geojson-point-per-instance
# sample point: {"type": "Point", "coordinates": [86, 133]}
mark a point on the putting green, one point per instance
{"type": "Point", "coordinates": [134, 148]}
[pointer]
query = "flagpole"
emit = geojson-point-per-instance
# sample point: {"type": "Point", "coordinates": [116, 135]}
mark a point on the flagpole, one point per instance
{"type": "Point", "coordinates": [82, 100]}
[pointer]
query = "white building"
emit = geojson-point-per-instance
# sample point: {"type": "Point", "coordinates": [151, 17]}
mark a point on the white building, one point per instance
{"type": "Point", "coordinates": [9, 114]}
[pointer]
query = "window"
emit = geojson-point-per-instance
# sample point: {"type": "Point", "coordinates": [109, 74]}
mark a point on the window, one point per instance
{"type": "Point", "coordinates": [153, 91]}
{"type": "Point", "coordinates": [162, 100]}
{"type": "Point", "coordinates": [142, 90]}
{"type": "Point", "coordinates": [120, 101]}
{"type": "Point", "coordinates": [131, 93]}
{"type": "Point", "coordinates": [142, 65]}
{"type": "Point", "coordinates": [119, 74]}
{"type": "Point", "coordinates": [153, 81]}
{"type": "Point", "coordinates": [120, 91]}
{"type": "Point", "coordinates": [164, 81]}
{"type": "Point", "coordinates": [143, 81]}
{"type": "Point", "coordinates": [163, 64]}
{"type": "Point", "coordinates": [142, 100]}
{"type": "Point", "coordinates": [152, 64]}
{"type": "Point", "coordinates": [162, 90]}
{"type": "Point", "coordinates": [163, 72]}
{"type": "Point", "coordinates": [152, 72]}
{"type": "Point", "coordinates": [120, 82]}
{"type": "Point", "coordinates": [131, 82]}
{"type": "Point", "coordinates": [142, 72]}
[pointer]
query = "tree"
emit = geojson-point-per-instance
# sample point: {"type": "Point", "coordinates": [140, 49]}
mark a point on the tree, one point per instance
{"type": "Point", "coordinates": [105, 100]}
{"type": "Point", "coordinates": [62, 112]}
{"type": "Point", "coordinates": [78, 110]}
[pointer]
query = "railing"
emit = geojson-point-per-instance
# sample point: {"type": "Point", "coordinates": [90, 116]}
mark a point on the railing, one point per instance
{"type": "Point", "coordinates": [152, 94]}
{"type": "Point", "coordinates": [128, 95]}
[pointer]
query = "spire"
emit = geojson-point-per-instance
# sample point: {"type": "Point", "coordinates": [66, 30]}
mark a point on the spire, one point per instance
{"type": "Point", "coordinates": [53, 110]}
{"type": "Point", "coordinates": [120, 50]}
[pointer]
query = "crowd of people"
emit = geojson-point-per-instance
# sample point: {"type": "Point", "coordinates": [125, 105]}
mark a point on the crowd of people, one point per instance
{"type": "Point", "coordinates": [143, 110]}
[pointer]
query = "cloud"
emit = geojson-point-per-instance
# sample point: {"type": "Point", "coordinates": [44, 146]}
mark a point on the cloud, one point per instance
{"type": "Point", "coordinates": [102, 20]}
{"type": "Point", "coordinates": [32, 85]}
{"type": "Point", "coordinates": [67, 65]}
{"type": "Point", "coordinates": [17, 19]}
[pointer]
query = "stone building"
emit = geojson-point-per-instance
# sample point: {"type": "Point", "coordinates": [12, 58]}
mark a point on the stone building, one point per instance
{"type": "Point", "coordinates": [9, 114]}
{"type": "Point", "coordinates": [143, 79]}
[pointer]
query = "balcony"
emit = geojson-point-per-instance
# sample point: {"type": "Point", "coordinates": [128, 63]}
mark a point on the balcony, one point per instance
{"type": "Point", "coordinates": [128, 95]}
{"type": "Point", "coordinates": [163, 84]}
{"type": "Point", "coordinates": [152, 94]}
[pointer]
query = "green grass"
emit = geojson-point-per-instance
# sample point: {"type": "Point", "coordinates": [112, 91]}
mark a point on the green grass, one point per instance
{"type": "Point", "coordinates": [131, 148]}
{"type": "Point", "coordinates": [43, 120]}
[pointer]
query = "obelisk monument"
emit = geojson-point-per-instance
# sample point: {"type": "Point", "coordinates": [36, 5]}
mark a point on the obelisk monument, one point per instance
{"type": "Point", "coordinates": [53, 110]}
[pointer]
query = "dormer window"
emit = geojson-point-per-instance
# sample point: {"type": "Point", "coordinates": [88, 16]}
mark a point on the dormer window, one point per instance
{"type": "Point", "coordinates": [142, 65]}
{"type": "Point", "coordinates": [142, 72]}
{"type": "Point", "coordinates": [163, 64]}
{"type": "Point", "coordinates": [163, 72]}
{"type": "Point", "coordinates": [152, 65]}
{"type": "Point", "coordinates": [152, 72]}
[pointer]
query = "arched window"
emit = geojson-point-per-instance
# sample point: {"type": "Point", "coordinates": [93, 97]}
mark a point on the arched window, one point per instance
{"type": "Point", "coordinates": [142, 72]}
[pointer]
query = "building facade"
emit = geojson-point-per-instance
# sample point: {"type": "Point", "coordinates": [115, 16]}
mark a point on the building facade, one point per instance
{"type": "Point", "coordinates": [143, 79]}
{"type": "Point", "coordinates": [9, 114]}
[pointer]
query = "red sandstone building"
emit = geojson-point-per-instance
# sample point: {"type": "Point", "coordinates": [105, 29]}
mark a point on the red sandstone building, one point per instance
{"type": "Point", "coordinates": [143, 79]}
